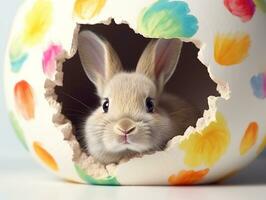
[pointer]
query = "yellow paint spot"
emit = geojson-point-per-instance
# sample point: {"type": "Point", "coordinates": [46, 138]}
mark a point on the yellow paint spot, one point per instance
{"type": "Point", "coordinates": [188, 177]}
{"type": "Point", "coordinates": [87, 9]}
{"type": "Point", "coordinates": [262, 146]}
{"type": "Point", "coordinates": [231, 49]}
{"type": "Point", "coordinates": [37, 22]}
{"type": "Point", "coordinates": [250, 138]}
{"type": "Point", "coordinates": [208, 146]}
{"type": "Point", "coordinates": [46, 157]}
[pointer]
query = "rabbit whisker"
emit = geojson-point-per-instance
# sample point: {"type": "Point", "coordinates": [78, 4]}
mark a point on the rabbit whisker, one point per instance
{"type": "Point", "coordinates": [73, 98]}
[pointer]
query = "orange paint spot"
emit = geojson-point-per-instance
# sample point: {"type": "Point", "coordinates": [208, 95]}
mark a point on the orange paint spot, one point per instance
{"type": "Point", "coordinates": [250, 138]}
{"type": "Point", "coordinates": [262, 146]}
{"type": "Point", "coordinates": [231, 49]}
{"type": "Point", "coordinates": [46, 157]}
{"type": "Point", "coordinates": [187, 177]}
{"type": "Point", "coordinates": [24, 99]}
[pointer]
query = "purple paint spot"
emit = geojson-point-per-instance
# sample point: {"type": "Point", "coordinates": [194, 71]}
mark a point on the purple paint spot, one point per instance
{"type": "Point", "coordinates": [258, 84]}
{"type": "Point", "coordinates": [49, 59]}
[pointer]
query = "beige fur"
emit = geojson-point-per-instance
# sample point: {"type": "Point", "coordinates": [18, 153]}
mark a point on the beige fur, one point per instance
{"type": "Point", "coordinates": [127, 93]}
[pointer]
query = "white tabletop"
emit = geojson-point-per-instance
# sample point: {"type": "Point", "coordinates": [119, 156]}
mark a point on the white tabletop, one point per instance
{"type": "Point", "coordinates": [21, 178]}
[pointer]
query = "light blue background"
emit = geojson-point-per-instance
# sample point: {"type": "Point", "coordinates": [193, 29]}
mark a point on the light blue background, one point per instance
{"type": "Point", "coordinates": [8, 141]}
{"type": "Point", "coordinates": [9, 144]}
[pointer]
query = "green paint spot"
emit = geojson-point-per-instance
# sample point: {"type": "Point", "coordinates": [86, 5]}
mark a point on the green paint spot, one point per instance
{"type": "Point", "coordinates": [110, 180]}
{"type": "Point", "coordinates": [18, 129]}
{"type": "Point", "coordinates": [261, 4]}
{"type": "Point", "coordinates": [167, 19]}
{"type": "Point", "coordinates": [17, 54]}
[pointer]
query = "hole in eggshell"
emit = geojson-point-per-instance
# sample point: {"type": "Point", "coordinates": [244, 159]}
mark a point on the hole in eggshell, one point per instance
{"type": "Point", "coordinates": [191, 81]}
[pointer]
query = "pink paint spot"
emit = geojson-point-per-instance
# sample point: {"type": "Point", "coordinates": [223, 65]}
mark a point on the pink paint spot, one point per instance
{"type": "Point", "coordinates": [49, 59]}
{"type": "Point", "coordinates": [264, 84]}
{"type": "Point", "coordinates": [245, 9]}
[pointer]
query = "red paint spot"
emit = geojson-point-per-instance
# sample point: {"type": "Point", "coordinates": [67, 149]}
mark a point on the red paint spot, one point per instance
{"type": "Point", "coordinates": [244, 9]}
{"type": "Point", "coordinates": [24, 99]}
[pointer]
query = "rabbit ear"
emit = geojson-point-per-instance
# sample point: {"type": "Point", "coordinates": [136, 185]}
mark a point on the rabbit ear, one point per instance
{"type": "Point", "coordinates": [159, 60]}
{"type": "Point", "coordinates": [98, 59]}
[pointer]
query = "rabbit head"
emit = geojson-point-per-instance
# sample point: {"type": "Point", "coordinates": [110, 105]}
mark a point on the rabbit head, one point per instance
{"type": "Point", "coordinates": [129, 120]}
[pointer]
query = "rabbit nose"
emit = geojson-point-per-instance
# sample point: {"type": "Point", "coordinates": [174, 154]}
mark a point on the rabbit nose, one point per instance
{"type": "Point", "coordinates": [126, 126]}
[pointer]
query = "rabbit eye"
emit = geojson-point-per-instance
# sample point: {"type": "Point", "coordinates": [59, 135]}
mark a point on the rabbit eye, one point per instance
{"type": "Point", "coordinates": [149, 105]}
{"type": "Point", "coordinates": [106, 105]}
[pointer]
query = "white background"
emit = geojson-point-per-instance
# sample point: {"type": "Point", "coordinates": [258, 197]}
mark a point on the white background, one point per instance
{"type": "Point", "coordinates": [22, 178]}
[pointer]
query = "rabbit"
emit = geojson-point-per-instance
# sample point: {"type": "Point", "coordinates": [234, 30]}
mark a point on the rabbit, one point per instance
{"type": "Point", "coordinates": [135, 117]}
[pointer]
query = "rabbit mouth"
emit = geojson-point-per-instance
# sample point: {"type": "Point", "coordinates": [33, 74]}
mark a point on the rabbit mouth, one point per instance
{"type": "Point", "coordinates": [130, 143]}
{"type": "Point", "coordinates": [126, 141]}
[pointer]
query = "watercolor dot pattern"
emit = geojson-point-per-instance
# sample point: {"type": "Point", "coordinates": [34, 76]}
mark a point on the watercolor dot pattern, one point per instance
{"type": "Point", "coordinates": [258, 84]}
{"type": "Point", "coordinates": [37, 22]}
{"type": "Point", "coordinates": [45, 156]}
{"type": "Point", "coordinates": [167, 19]}
{"type": "Point", "coordinates": [24, 99]}
{"type": "Point", "coordinates": [17, 54]}
{"type": "Point", "coordinates": [188, 177]}
{"type": "Point", "coordinates": [198, 147]}
{"type": "Point", "coordinates": [38, 44]}
{"type": "Point", "coordinates": [49, 60]}
{"type": "Point", "coordinates": [90, 180]}
{"type": "Point", "coordinates": [231, 49]}
{"type": "Point", "coordinates": [87, 9]}
{"type": "Point", "coordinates": [244, 9]}
{"type": "Point", "coordinates": [250, 138]}
{"type": "Point", "coordinates": [18, 130]}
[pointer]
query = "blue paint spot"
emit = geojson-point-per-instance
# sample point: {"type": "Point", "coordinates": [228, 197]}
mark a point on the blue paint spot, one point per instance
{"type": "Point", "coordinates": [17, 63]}
{"type": "Point", "coordinates": [17, 54]}
{"type": "Point", "coordinates": [258, 84]}
{"type": "Point", "coordinates": [167, 19]}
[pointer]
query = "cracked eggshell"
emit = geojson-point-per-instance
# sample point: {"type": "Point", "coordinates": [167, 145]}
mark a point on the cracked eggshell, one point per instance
{"type": "Point", "coordinates": [231, 38]}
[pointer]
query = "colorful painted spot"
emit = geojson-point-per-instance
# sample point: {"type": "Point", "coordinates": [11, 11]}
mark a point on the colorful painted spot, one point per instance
{"type": "Point", "coordinates": [231, 49]}
{"type": "Point", "coordinates": [37, 22]}
{"type": "Point", "coordinates": [49, 59]}
{"type": "Point", "coordinates": [244, 9]}
{"type": "Point", "coordinates": [87, 9]}
{"type": "Point", "coordinates": [17, 54]}
{"type": "Point", "coordinates": [258, 84]}
{"type": "Point", "coordinates": [188, 177]}
{"type": "Point", "coordinates": [262, 146]}
{"type": "Point", "coordinates": [18, 129]}
{"type": "Point", "coordinates": [88, 179]}
{"type": "Point", "coordinates": [167, 19]}
{"type": "Point", "coordinates": [250, 138]}
{"type": "Point", "coordinates": [207, 147]}
{"type": "Point", "coordinates": [44, 156]}
{"type": "Point", "coordinates": [261, 4]}
{"type": "Point", "coordinates": [24, 99]}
